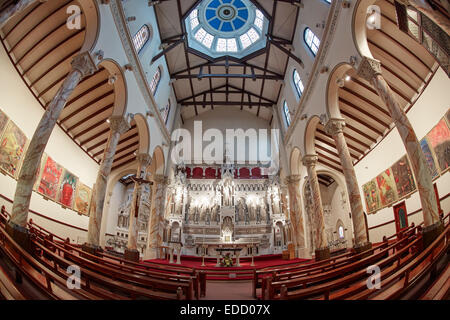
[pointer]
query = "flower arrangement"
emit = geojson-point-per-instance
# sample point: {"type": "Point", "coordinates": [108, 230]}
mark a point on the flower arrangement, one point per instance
{"type": "Point", "coordinates": [226, 261]}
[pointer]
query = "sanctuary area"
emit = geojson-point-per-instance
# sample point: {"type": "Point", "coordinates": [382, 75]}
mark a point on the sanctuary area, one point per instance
{"type": "Point", "coordinates": [224, 150]}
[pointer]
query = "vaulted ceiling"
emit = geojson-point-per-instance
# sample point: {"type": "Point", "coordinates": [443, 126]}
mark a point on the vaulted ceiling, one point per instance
{"type": "Point", "coordinates": [41, 48]}
{"type": "Point", "coordinates": [252, 83]}
{"type": "Point", "coordinates": [406, 65]}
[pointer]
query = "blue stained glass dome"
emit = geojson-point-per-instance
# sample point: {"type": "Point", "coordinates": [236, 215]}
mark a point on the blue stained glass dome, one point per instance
{"type": "Point", "coordinates": [226, 15]}
{"type": "Point", "coordinates": [226, 27]}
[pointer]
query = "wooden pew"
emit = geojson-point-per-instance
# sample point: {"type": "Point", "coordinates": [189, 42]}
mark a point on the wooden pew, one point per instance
{"type": "Point", "coordinates": [64, 258]}
{"type": "Point", "coordinates": [440, 289]}
{"type": "Point", "coordinates": [296, 280]}
{"type": "Point", "coordinates": [157, 272]}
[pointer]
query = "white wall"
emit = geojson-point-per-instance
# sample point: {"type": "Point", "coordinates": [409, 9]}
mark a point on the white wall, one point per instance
{"type": "Point", "coordinates": [24, 110]}
{"type": "Point", "coordinates": [424, 115]}
{"type": "Point", "coordinates": [223, 118]}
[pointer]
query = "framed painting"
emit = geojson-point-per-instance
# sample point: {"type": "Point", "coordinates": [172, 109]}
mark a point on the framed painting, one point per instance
{"type": "Point", "coordinates": [403, 176]}
{"type": "Point", "coordinates": [3, 121]}
{"type": "Point", "coordinates": [429, 158]}
{"type": "Point", "coordinates": [386, 187]}
{"type": "Point", "coordinates": [371, 196]}
{"type": "Point", "coordinates": [12, 149]}
{"type": "Point", "coordinates": [50, 177]}
{"type": "Point", "coordinates": [439, 139]}
{"type": "Point", "coordinates": [82, 199]}
{"type": "Point", "coordinates": [401, 217]}
{"type": "Point", "coordinates": [67, 189]}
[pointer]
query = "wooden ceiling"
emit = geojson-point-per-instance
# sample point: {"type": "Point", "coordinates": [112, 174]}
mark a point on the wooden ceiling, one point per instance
{"type": "Point", "coordinates": [41, 47]}
{"type": "Point", "coordinates": [406, 66]}
{"type": "Point", "coordinates": [251, 84]}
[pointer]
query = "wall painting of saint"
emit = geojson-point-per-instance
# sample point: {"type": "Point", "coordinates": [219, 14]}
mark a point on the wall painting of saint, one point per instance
{"type": "Point", "coordinates": [429, 158]}
{"type": "Point", "coordinates": [82, 199]}
{"type": "Point", "coordinates": [371, 196]}
{"type": "Point", "coordinates": [67, 188]}
{"type": "Point", "coordinates": [12, 149]}
{"type": "Point", "coordinates": [387, 188]}
{"type": "Point", "coordinates": [439, 139]}
{"type": "Point", "coordinates": [50, 177]}
{"type": "Point", "coordinates": [404, 179]}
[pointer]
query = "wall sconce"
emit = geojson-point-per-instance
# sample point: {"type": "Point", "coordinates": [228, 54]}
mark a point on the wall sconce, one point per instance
{"type": "Point", "coordinates": [304, 117]}
{"type": "Point", "coordinates": [128, 67]}
{"type": "Point", "coordinates": [149, 114]}
{"type": "Point", "coordinates": [346, 4]}
{"type": "Point", "coordinates": [340, 82]}
{"type": "Point", "coordinates": [99, 55]}
{"type": "Point", "coordinates": [112, 79]}
{"type": "Point", "coordinates": [131, 18]}
{"type": "Point", "coordinates": [324, 69]}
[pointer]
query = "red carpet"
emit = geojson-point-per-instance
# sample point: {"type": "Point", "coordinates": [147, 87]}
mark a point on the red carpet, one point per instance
{"type": "Point", "coordinates": [244, 272]}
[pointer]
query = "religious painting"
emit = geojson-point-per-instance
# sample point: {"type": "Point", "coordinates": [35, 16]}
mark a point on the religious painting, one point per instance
{"type": "Point", "coordinates": [50, 177]}
{"type": "Point", "coordinates": [372, 196]}
{"type": "Point", "coordinates": [429, 158]}
{"type": "Point", "coordinates": [404, 179]}
{"type": "Point", "coordinates": [3, 121]}
{"type": "Point", "coordinates": [401, 216]}
{"type": "Point", "coordinates": [387, 188]}
{"type": "Point", "coordinates": [439, 138]}
{"type": "Point", "coordinates": [82, 199]}
{"type": "Point", "coordinates": [12, 149]}
{"type": "Point", "coordinates": [67, 188]}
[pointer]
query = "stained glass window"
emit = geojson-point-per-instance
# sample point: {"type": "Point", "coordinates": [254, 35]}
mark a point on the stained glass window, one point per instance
{"type": "Point", "coordinates": [298, 83]}
{"type": "Point", "coordinates": [287, 115]}
{"type": "Point", "coordinates": [155, 81]}
{"type": "Point", "coordinates": [141, 38]}
{"type": "Point", "coordinates": [311, 41]}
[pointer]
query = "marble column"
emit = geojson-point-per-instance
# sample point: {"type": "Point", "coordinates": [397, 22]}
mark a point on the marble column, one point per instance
{"type": "Point", "coordinates": [434, 15]}
{"type": "Point", "coordinates": [119, 125]}
{"type": "Point", "coordinates": [131, 251]}
{"type": "Point", "coordinates": [12, 10]}
{"type": "Point", "coordinates": [335, 127]}
{"type": "Point", "coordinates": [82, 65]}
{"type": "Point", "coordinates": [154, 240]}
{"type": "Point", "coordinates": [370, 70]}
{"type": "Point", "coordinates": [322, 250]}
{"type": "Point", "coordinates": [296, 215]}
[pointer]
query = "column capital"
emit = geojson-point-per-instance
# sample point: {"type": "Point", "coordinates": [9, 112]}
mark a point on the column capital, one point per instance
{"type": "Point", "coordinates": [84, 63]}
{"type": "Point", "coordinates": [294, 178]}
{"type": "Point", "coordinates": [334, 126]}
{"type": "Point", "coordinates": [144, 159]}
{"type": "Point", "coordinates": [119, 124]}
{"type": "Point", "coordinates": [369, 68]}
{"type": "Point", "coordinates": [310, 160]}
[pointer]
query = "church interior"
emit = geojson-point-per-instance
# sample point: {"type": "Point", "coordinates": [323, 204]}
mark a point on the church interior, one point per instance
{"type": "Point", "coordinates": [224, 150]}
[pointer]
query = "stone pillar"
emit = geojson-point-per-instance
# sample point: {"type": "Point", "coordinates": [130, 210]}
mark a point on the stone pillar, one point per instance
{"type": "Point", "coordinates": [119, 125]}
{"type": "Point", "coordinates": [370, 70]}
{"type": "Point", "coordinates": [156, 210]}
{"type": "Point", "coordinates": [12, 10]}
{"type": "Point", "coordinates": [296, 215]}
{"type": "Point", "coordinates": [82, 65]}
{"type": "Point", "coordinates": [131, 252]}
{"type": "Point", "coordinates": [335, 127]}
{"type": "Point", "coordinates": [322, 249]}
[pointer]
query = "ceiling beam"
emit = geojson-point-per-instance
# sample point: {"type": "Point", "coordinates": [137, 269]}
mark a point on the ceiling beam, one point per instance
{"type": "Point", "coordinates": [227, 103]}
{"type": "Point", "coordinates": [224, 75]}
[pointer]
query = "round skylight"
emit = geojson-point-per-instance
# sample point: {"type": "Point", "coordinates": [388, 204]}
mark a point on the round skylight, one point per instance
{"type": "Point", "coordinates": [233, 27]}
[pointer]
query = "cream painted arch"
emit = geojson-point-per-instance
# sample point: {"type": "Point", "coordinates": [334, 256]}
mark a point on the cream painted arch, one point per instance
{"type": "Point", "coordinates": [144, 133]}
{"type": "Point", "coordinates": [114, 179]}
{"type": "Point", "coordinates": [157, 166]}
{"type": "Point", "coordinates": [332, 96]}
{"type": "Point", "coordinates": [359, 30]}
{"type": "Point", "coordinates": [295, 165]}
{"type": "Point", "coordinates": [120, 86]}
{"type": "Point", "coordinates": [309, 135]}
{"type": "Point", "coordinates": [91, 12]}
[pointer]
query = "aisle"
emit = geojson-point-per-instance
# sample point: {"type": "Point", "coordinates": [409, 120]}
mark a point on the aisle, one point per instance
{"type": "Point", "coordinates": [233, 290]}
